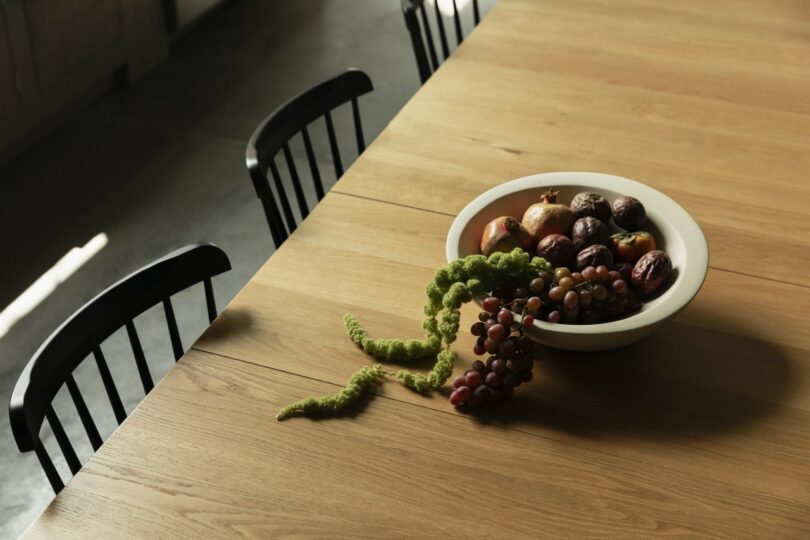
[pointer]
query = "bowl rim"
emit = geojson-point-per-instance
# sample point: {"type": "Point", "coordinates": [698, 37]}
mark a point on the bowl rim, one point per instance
{"type": "Point", "coordinates": [688, 282]}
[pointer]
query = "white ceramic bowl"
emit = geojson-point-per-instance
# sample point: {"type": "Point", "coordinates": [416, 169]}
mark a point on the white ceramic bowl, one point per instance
{"type": "Point", "coordinates": [674, 231]}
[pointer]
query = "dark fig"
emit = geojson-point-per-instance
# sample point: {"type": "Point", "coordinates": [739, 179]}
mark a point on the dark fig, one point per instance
{"type": "Point", "coordinates": [591, 204]}
{"type": "Point", "coordinates": [588, 231]}
{"type": "Point", "coordinates": [629, 213]}
{"type": "Point", "coordinates": [595, 255]}
{"type": "Point", "coordinates": [630, 246]}
{"type": "Point", "coordinates": [504, 234]}
{"type": "Point", "coordinates": [557, 249]}
{"type": "Point", "coordinates": [651, 272]}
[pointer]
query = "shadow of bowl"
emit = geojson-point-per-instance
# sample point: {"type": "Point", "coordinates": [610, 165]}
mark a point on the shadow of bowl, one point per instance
{"type": "Point", "coordinates": [682, 381]}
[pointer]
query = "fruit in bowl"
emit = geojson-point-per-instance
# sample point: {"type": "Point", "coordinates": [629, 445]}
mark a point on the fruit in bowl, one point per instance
{"type": "Point", "coordinates": [662, 238]}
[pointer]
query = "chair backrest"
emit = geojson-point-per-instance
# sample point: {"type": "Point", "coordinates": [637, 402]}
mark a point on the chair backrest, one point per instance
{"type": "Point", "coordinates": [415, 12]}
{"type": "Point", "coordinates": [82, 334]}
{"type": "Point", "coordinates": [273, 136]}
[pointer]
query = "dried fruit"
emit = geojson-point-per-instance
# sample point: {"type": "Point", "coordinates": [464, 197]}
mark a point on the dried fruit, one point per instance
{"type": "Point", "coordinates": [504, 234]}
{"type": "Point", "coordinates": [547, 217]}
{"type": "Point", "coordinates": [625, 270]}
{"type": "Point", "coordinates": [651, 272]}
{"type": "Point", "coordinates": [591, 204]}
{"type": "Point", "coordinates": [630, 246]}
{"type": "Point", "coordinates": [629, 213]}
{"type": "Point", "coordinates": [557, 249]}
{"type": "Point", "coordinates": [588, 231]}
{"type": "Point", "coordinates": [596, 255]}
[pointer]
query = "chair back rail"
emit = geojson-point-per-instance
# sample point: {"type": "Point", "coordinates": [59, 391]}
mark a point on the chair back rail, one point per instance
{"type": "Point", "coordinates": [81, 335]}
{"type": "Point", "coordinates": [273, 137]}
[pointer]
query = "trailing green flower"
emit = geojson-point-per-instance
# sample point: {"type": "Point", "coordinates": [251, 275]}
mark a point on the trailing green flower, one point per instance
{"type": "Point", "coordinates": [360, 382]}
{"type": "Point", "coordinates": [452, 286]}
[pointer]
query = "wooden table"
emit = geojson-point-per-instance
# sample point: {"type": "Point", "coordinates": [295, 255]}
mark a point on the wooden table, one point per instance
{"type": "Point", "coordinates": [701, 430]}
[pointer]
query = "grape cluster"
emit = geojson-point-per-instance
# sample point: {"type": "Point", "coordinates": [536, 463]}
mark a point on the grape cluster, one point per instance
{"type": "Point", "coordinates": [596, 294]}
{"type": "Point", "coordinates": [511, 355]}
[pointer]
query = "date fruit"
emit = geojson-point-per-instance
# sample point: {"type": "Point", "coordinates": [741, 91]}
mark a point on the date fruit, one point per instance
{"type": "Point", "coordinates": [557, 249]}
{"type": "Point", "coordinates": [588, 231]}
{"type": "Point", "coordinates": [629, 213]}
{"type": "Point", "coordinates": [595, 255]}
{"type": "Point", "coordinates": [591, 204]}
{"type": "Point", "coordinates": [630, 246]}
{"type": "Point", "coordinates": [651, 272]}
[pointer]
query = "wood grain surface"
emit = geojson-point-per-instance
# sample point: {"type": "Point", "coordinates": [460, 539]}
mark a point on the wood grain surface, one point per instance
{"type": "Point", "coordinates": [388, 472]}
{"type": "Point", "coordinates": [699, 430]}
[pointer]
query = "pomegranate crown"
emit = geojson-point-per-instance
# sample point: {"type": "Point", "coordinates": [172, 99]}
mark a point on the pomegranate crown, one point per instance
{"type": "Point", "coordinates": [550, 195]}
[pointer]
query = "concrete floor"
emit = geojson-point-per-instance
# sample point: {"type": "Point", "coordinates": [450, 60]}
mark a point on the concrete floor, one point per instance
{"type": "Point", "coordinates": [160, 164]}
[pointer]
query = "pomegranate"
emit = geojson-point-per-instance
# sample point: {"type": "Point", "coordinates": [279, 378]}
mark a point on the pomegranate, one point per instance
{"type": "Point", "coordinates": [504, 234]}
{"type": "Point", "coordinates": [547, 217]}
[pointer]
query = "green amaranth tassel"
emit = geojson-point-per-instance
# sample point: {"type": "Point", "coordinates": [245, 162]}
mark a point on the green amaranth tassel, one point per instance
{"type": "Point", "coordinates": [361, 381]}
{"type": "Point", "coordinates": [452, 286]}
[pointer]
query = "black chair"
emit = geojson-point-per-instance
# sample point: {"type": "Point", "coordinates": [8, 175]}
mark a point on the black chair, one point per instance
{"type": "Point", "coordinates": [83, 333]}
{"type": "Point", "coordinates": [422, 37]}
{"type": "Point", "coordinates": [275, 132]}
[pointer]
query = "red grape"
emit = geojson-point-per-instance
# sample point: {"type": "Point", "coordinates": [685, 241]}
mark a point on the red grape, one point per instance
{"type": "Point", "coordinates": [496, 332]}
{"type": "Point", "coordinates": [508, 347]}
{"type": "Point", "coordinates": [481, 393]}
{"type": "Point", "coordinates": [473, 378]}
{"type": "Point", "coordinates": [556, 293]}
{"type": "Point", "coordinates": [602, 273]}
{"type": "Point", "coordinates": [505, 317]}
{"type": "Point", "coordinates": [491, 346]}
{"type": "Point", "coordinates": [492, 304]}
{"type": "Point", "coordinates": [589, 273]}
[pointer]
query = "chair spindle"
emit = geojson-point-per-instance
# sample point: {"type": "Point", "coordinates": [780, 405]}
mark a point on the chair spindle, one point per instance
{"type": "Point", "coordinates": [282, 195]}
{"type": "Point", "coordinates": [476, 12]}
{"type": "Point", "coordinates": [84, 413]}
{"type": "Point", "coordinates": [299, 192]}
{"type": "Point", "coordinates": [277, 230]}
{"type": "Point", "coordinates": [140, 358]}
{"type": "Point", "coordinates": [210, 301]}
{"type": "Point", "coordinates": [48, 467]}
{"type": "Point", "coordinates": [313, 164]}
{"type": "Point", "coordinates": [429, 37]}
{"type": "Point", "coordinates": [358, 127]}
{"type": "Point", "coordinates": [109, 386]}
{"type": "Point", "coordinates": [457, 21]}
{"type": "Point", "coordinates": [333, 145]}
{"type": "Point", "coordinates": [174, 332]}
{"type": "Point", "coordinates": [442, 35]}
{"type": "Point", "coordinates": [63, 441]}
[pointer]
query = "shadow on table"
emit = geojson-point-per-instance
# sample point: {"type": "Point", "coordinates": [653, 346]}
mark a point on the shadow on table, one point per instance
{"type": "Point", "coordinates": [228, 324]}
{"type": "Point", "coordinates": [681, 381]}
